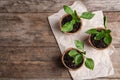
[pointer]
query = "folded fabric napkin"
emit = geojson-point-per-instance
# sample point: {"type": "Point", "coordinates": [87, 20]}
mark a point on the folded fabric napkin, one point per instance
{"type": "Point", "coordinates": [103, 66]}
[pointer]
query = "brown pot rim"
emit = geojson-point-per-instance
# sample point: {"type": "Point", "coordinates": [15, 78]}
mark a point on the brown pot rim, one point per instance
{"type": "Point", "coordinates": [63, 58]}
{"type": "Point", "coordinates": [60, 25]}
{"type": "Point", "coordinates": [89, 40]}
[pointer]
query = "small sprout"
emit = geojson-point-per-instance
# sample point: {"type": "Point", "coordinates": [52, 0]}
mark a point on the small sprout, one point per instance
{"type": "Point", "coordinates": [105, 22]}
{"type": "Point", "coordinates": [78, 57]}
{"type": "Point", "coordinates": [103, 34]}
{"type": "Point", "coordinates": [67, 27]}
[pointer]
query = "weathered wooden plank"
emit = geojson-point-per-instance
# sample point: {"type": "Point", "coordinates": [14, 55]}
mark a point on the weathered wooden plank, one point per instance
{"type": "Point", "coordinates": [27, 61]}
{"type": "Point", "coordinates": [45, 54]}
{"type": "Point", "coordinates": [51, 79]}
{"type": "Point", "coordinates": [37, 79]}
{"type": "Point", "coordinates": [31, 69]}
{"type": "Point", "coordinates": [32, 29]}
{"type": "Point", "coordinates": [105, 5]}
{"type": "Point", "coordinates": [31, 62]}
{"type": "Point", "coordinates": [115, 57]}
{"type": "Point", "coordinates": [26, 38]}
{"type": "Point", "coordinates": [114, 23]}
{"type": "Point", "coordinates": [16, 27]}
{"type": "Point", "coordinates": [55, 5]}
{"type": "Point", "coordinates": [25, 30]}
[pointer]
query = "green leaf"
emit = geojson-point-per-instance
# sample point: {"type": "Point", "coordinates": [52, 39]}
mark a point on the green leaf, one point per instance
{"type": "Point", "coordinates": [67, 27]}
{"type": "Point", "coordinates": [105, 22]}
{"type": "Point", "coordinates": [75, 16]}
{"type": "Point", "coordinates": [68, 10]}
{"type": "Point", "coordinates": [75, 12]}
{"type": "Point", "coordinates": [108, 31]}
{"type": "Point", "coordinates": [89, 63]}
{"type": "Point", "coordinates": [87, 15]}
{"type": "Point", "coordinates": [108, 39]}
{"type": "Point", "coordinates": [92, 31]}
{"type": "Point", "coordinates": [79, 45]}
{"type": "Point", "coordinates": [72, 21]}
{"type": "Point", "coordinates": [78, 59]}
{"type": "Point", "coordinates": [99, 35]}
{"type": "Point", "coordinates": [73, 53]}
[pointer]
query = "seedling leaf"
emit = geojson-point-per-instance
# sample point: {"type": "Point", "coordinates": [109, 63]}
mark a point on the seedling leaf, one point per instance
{"type": "Point", "coordinates": [99, 35]}
{"type": "Point", "coordinates": [105, 22]}
{"type": "Point", "coordinates": [78, 59]}
{"type": "Point", "coordinates": [75, 16]}
{"type": "Point", "coordinates": [108, 39]}
{"type": "Point", "coordinates": [73, 53]}
{"type": "Point", "coordinates": [92, 31]}
{"type": "Point", "coordinates": [79, 45]}
{"type": "Point", "coordinates": [68, 10]}
{"type": "Point", "coordinates": [89, 63]}
{"type": "Point", "coordinates": [87, 15]}
{"type": "Point", "coordinates": [108, 31]}
{"type": "Point", "coordinates": [67, 27]}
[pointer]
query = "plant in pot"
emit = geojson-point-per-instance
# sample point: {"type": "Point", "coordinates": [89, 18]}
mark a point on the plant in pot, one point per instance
{"type": "Point", "coordinates": [73, 58]}
{"type": "Point", "coordinates": [71, 22]}
{"type": "Point", "coordinates": [100, 38]}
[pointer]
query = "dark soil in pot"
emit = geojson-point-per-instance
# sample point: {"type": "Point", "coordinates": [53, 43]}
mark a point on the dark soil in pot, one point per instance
{"type": "Point", "coordinates": [69, 61]}
{"type": "Point", "coordinates": [76, 26]}
{"type": "Point", "coordinates": [98, 43]}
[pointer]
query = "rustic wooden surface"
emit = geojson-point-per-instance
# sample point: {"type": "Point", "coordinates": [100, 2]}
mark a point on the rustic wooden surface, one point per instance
{"type": "Point", "coordinates": [28, 49]}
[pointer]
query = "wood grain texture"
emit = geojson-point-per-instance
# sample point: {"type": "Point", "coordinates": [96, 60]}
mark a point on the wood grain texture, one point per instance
{"type": "Point", "coordinates": [28, 29]}
{"type": "Point", "coordinates": [55, 5]}
{"type": "Point", "coordinates": [49, 79]}
{"type": "Point", "coordinates": [43, 54]}
{"type": "Point", "coordinates": [28, 49]}
{"type": "Point", "coordinates": [25, 30]}
{"type": "Point", "coordinates": [22, 59]}
{"type": "Point", "coordinates": [27, 62]}
{"type": "Point", "coordinates": [29, 69]}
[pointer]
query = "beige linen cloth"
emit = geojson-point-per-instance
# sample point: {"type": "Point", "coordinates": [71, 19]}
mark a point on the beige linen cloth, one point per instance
{"type": "Point", "coordinates": [103, 66]}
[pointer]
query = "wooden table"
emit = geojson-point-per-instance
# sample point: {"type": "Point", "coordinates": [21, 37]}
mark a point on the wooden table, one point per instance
{"type": "Point", "coordinates": [28, 48]}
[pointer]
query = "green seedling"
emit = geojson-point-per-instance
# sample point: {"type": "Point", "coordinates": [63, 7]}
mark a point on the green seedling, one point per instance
{"type": "Point", "coordinates": [78, 57]}
{"type": "Point", "coordinates": [67, 27]}
{"type": "Point", "coordinates": [103, 34]}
